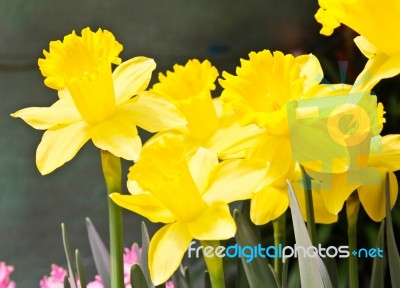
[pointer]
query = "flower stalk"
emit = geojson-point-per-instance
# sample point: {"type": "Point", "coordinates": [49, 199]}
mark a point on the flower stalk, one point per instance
{"type": "Point", "coordinates": [279, 238]}
{"type": "Point", "coordinates": [214, 266]}
{"type": "Point", "coordinates": [309, 206]}
{"type": "Point", "coordinates": [112, 174]}
{"type": "Point", "coordinates": [352, 207]}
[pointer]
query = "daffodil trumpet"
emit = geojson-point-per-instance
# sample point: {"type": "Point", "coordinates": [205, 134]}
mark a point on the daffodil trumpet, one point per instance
{"type": "Point", "coordinates": [112, 175]}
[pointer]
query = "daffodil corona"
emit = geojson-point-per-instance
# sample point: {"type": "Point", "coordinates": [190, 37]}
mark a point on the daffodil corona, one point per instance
{"type": "Point", "coordinates": [209, 125]}
{"type": "Point", "coordinates": [190, 194]}
{"type": "Point", "coordinates": [258, 94]}
{"type": "Point", "coordinates": [94, 102]}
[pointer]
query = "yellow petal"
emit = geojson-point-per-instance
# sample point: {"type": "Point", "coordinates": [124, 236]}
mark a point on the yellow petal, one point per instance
{"type": "Point", "coordinates": [367, 48]}
{"type": "Point", "coordinates": [234, 180]}
{"type": "Point", "coordinates": [162, 169]}
{"type": "Point", "coordinates": [119, 136]}
{"type": "Point", "coordinates": [278, 152]}
{"type": "Point", "coordinates": [132, 77]}
{"type": "Point", "coordinates": [215, 223]}
{"type": "Point", "coordinates": [232, 140]}
{"type": "Point", "coordinates": [373, 197]}
{"type": "Point", "coordinates": [60, 145]}
{"type": "Point", "coordinates": [311, 69]}
{"type": "Point", "coordinates": [201, 163]}
{"type": "Point", "coordinates": [379, 67]}
{"type": "Point", "coordinates": [153, 113]}
{"type": "Point", "coordinates": [386, 153]}
{"type": "Point", "coordinates": [167, 248]}
{"type": "Point", "coordinates": [60, 113]}
{"type": "Point", "coordinates": [335, 189]}
{"type": "Point", "coordinates": [268, 204]}
{"type": "Point", "coordinates": [146, 205]}
{"type": "Point", "coordinates": [321, 213]}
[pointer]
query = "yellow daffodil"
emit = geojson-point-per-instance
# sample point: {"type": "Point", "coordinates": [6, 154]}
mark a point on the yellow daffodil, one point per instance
{"type": "Point", "coordinates": [189, 88]}
{"type": "Point", "coordinates": [369, 18]}
{"type": "Point", "coordinates": [94, 102]}
{"type": "Point", "coordinates": [370, 183]}
{"type": "Point", "coordinates": [258, 94]}
{"type": "Point", "coordinates": [189, 193]}
{"type": "Point", "coordinates": [349, 156]}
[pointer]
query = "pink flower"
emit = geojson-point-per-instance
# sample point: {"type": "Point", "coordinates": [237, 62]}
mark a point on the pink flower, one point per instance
{"type": "Point", "coordinates": [56, 279]}
{"type": "Point", "coordinates": [97, 283]}
{"type": "Point", "coordinates": [57, 274]}
{"type": "Point", "coordinates": [5, 272]}
{"type": "Point", "coordinates": [131, 256]}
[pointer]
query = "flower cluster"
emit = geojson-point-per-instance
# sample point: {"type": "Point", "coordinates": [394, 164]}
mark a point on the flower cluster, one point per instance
{"type": "Point", "coordinates": [272, 119]}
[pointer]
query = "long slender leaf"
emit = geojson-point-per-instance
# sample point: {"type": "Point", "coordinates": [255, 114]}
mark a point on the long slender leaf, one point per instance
{"type": "Point", "coordinates": [393, 253]}
{"type": "Point", "coordinates": [144, 255]}
{"type": "Point", "coordinates": [313, 273]}
{"type": "Point", "coordinates": [80, 269]}
{"type": "Point", "coordinates": [68, 254]}
{"type": "Point", "coordinates": [66, 283]}
{"type": "Point", "coordinates": [137, 277]}
{"type": "Point", "coordinates": [378, 268]}
{"type": "Point", "coordinates": [100, 253]}
{"type": "Point", "coordinates": [285, 270]}
{"type": "Point", "coordinates": [257, 271]}
{"type": "Point", "coordinates": [207, 280]}
{"type": "Point", "coordinates": [241, 278]}
{"type": "Point", "coordinates": [179, 279]}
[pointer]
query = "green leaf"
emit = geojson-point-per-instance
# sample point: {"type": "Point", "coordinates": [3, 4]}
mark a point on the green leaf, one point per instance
{"type": "Point", "coordinates": [144, 255]}
{"type": "Point", "coordinates": [68, 254]}
{"type": "Point", "coordinates": [66, 283]}
{"type": "Point", "coordinates": [81, 271]}
{"type": "Point", "coordinates": [179, 279]}
{"type": "Point", "coordinates": [241, 279]}
{"type": "Point", "coordinates": [100, 253]}
{"type": "Point", "coordinates": [285, 270]}
{"type": "Point", "coordinates": [313, 273]}
{"type": "Point", "coordinates": [393, 253]}
{"type": "Point", "coordinates": [187, 275]}
{"type": "Point", "coordinates": [257, 271]}
{"type": "Point", "coordinates": [207, 280]}
{"type": "Point", "coordinates": [137, 277]}
{"type": "Point", "coordinates": [378, 268]}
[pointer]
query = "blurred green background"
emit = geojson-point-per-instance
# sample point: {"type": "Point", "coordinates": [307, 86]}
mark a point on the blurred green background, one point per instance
{"type": "Point", "coordinates": [170, 31]}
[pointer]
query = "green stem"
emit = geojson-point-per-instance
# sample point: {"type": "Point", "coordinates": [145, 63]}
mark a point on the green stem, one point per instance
{"type": "Point", "coordinates": [214, 266]}
{"type": "Point", "coordinates": [352, 207]}
{"type": "Point", "coordinates": [309, 206]}
{"type": "Point", "coordinates": [279, 238]}
{"type": "Point", "coordinates": [112, 175]}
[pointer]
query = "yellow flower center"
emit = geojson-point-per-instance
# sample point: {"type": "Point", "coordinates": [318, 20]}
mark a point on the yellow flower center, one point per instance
{"type": "Point", "coordinates": [188, 87]}
{"type": "Point", "coordinates": [83, 66]}
{"type": "Point", "coordinates": [261, 89]}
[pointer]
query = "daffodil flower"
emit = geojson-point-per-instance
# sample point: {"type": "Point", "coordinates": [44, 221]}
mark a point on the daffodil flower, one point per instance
{"type": "Point", "coordinates": [259, 94]}
{"type": "Point", "coordinates": [94, 102]}
{"type": "Point", "coordinates": [190, 194]}
{"type": "Point", "coordinates": [368, 18]}
{"type": "Point", "coordinates": [384, 158]}
{"type": "Point", "coordinates": [209, 125]}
